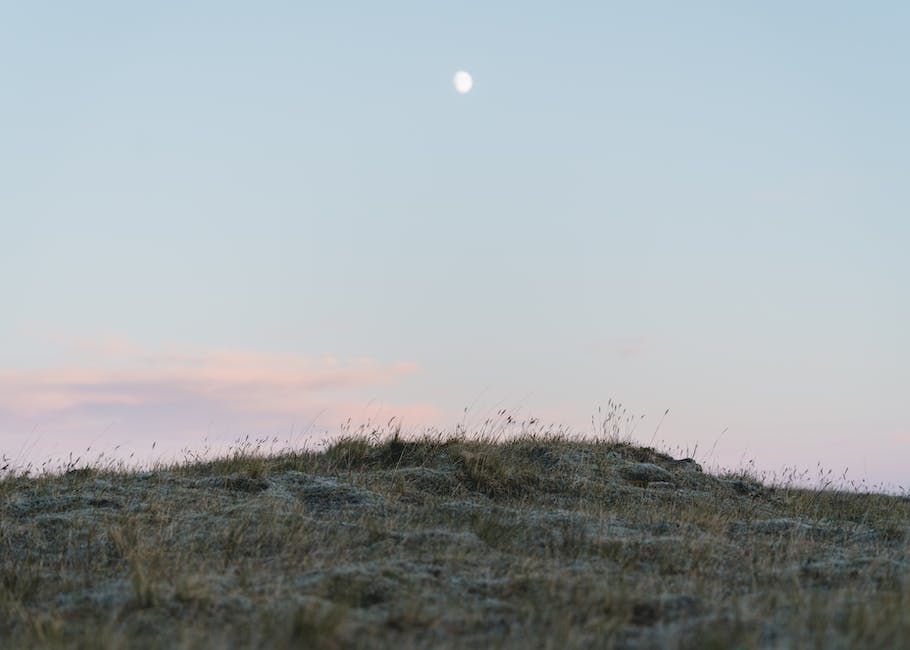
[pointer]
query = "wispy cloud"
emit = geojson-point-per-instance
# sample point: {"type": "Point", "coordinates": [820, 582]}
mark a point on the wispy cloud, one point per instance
{"type": "Point", "coordinates": [248, 381]}
{"type": "Point", "coordinates": [130, 392]}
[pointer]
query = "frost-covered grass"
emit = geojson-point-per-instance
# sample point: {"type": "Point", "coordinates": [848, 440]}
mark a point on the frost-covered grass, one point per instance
{"type": "Point", "coordinates": [542, 541]}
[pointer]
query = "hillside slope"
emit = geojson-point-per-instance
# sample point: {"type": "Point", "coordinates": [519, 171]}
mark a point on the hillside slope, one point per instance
{"type": "Point", "coordinates": [544, 542]}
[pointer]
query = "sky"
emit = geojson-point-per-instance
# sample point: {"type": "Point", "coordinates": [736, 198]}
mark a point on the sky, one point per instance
{"type": "Point", "coordinates": [221, 219]}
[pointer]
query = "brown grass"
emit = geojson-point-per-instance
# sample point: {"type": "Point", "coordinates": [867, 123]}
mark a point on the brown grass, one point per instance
{"type": "Point", "coordinates": [540, 541]}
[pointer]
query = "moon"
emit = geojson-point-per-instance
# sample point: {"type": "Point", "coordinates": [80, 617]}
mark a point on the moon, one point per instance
{"type": "Point", "coordinates": [463, 82]}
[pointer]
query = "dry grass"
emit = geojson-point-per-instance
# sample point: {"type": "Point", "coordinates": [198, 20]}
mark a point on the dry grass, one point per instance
{"type": "Point", "coordinates": [540, 541]}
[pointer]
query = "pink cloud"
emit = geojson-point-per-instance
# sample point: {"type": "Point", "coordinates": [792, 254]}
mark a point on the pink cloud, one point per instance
{"type": "Point", "coordinates": [251, 381]}
{"type": "Point", "coordinates": [129, 396]}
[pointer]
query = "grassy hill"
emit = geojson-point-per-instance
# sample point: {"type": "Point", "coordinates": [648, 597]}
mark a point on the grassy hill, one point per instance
{"type": "Point", "coordinates": [540, 541]}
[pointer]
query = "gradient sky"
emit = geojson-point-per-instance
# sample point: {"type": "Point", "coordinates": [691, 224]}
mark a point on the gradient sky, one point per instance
{"type": "Point", "coordinates": [225, 218]}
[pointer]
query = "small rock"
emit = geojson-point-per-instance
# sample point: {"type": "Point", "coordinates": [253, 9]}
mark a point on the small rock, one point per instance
{"type": "Point", "coordinates": [740, 486]}
{"type": "Point", "coordinates": [645, 473]}
{"type": "Point", "coordinates": [687, 464]}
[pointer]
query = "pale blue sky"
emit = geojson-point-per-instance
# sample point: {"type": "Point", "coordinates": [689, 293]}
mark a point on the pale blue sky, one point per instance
{"type": "Point", "coordinates": [701, 208]}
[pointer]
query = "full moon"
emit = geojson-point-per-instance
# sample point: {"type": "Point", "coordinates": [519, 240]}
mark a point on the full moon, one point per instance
{"type": "Point", "coordinates": [463, 82]}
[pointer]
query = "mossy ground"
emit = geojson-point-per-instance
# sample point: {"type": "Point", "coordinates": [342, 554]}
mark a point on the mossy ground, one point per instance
{"type": "Point", "coordinates": [541, 541]}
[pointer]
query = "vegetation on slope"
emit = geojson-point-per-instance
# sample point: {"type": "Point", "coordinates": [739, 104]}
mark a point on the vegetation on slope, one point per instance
{"type": "Point", "coordinates": [540, 541]}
